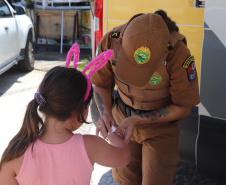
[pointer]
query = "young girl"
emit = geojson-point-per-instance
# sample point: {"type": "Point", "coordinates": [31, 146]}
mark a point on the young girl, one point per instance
{"type": "Point", "coordinates": [45, 150]}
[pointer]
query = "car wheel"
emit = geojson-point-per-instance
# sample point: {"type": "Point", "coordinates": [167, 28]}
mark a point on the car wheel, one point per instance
{"type": "Point", "coordinates": [27, 64]}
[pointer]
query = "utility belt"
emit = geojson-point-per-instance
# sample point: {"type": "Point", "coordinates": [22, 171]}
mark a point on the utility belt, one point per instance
{"type": "Point", "coordinates": [126, 109]}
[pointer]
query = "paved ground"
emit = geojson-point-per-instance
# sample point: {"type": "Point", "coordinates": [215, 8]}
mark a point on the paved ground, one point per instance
{"type": "Point", "coordinates": [13, 98]}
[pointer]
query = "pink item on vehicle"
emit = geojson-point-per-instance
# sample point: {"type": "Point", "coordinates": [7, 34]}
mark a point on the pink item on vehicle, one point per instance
{"type": "Point", "coordinates": [95, 64]}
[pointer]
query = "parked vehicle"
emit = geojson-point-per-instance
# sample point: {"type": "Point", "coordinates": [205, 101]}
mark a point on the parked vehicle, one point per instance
{"type": "Point", "coordinates": [16, 38]}
{"type": "Point", "coordinates": [203, 138]}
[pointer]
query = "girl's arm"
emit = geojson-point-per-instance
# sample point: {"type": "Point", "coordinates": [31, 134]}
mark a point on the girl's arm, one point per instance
{"type": "Point", "coordinates": [115, 154]}
{"type": "Point", "coordinates": [7, 174]}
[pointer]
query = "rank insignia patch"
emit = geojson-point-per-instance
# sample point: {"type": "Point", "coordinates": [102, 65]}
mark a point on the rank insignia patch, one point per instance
{"type": "Point", "coordinates": [155, 79]}
{"type": "Point", "coordinates": [142, 55]}
{"type": "Point", "coordinates": [115, 34]}
{"type": "Point", "coordinates": [189, 64]}
{"type": "Point", "coordinates": [188, 61]}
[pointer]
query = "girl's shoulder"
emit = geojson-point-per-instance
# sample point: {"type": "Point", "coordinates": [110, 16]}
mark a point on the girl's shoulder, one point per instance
{"type": "Point", "coordinates": [17, 163]}
{"type": "Point", "coordinates": [12, 167]}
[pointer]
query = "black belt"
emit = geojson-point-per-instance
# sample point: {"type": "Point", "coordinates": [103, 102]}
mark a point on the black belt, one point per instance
{"type": "Point", "coordinates": [126, 109]}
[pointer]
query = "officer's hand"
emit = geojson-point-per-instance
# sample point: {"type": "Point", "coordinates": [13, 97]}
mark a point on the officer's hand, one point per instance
{"type": "Point", "coordinates": [127, 126]}
{"type": "Point", "coordinates": [104, 125]}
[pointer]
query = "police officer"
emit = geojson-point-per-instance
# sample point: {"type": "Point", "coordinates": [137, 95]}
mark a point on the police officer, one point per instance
{"type": "Point", "coordinates": [157, 86]}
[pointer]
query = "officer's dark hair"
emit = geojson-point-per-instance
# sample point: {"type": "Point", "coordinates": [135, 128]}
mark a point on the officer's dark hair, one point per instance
{"type": "Point", "coordinates": [170, 23]}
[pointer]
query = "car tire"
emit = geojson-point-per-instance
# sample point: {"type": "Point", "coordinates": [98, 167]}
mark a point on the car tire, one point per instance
{"type": "Point", "coordinates": [27, 64]}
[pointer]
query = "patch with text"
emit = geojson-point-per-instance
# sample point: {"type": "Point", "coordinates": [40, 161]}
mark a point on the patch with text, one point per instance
{"type": "Point", "coordinates": [115, 34]}
{"type": "Point", "coordinates": [189, 64]}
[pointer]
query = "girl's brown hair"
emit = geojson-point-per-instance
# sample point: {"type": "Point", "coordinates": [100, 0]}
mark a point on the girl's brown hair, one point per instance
{"type": "Point", "coordinates": [170, 23]}
{"type": "Point", "coordinates": [64, 91]}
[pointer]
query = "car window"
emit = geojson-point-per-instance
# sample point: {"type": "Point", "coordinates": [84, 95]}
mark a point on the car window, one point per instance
{"type": "Point", "coordinates": [4, 10]}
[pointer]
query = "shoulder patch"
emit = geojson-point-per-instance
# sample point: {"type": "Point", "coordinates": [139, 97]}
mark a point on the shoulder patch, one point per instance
{"type": "Point", "coordinates": [192, 72]}
{"type": "Point", "coordinates": [188, 61]}
{"type": "Point", "coordinates": [189, 64]}
{"type": "Point", "coordinates": [115, 34]}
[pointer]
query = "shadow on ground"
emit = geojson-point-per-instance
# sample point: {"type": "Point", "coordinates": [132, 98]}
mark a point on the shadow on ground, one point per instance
{"type": "Point", "coordinates": [9, 78]}
{"type": "Point", "coordinates": [186, 175]}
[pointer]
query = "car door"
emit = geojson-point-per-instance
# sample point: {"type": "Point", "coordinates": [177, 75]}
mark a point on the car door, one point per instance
{"type": "Point", "coordinates": [9, 44]}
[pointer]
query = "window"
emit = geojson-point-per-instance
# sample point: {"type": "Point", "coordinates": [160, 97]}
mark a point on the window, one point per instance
{"type": "Point", "coordinates": [4, 10]}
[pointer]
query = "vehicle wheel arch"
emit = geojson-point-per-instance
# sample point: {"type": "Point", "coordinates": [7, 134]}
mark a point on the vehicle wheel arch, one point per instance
{"type": "Point", "coordinates": [27, 63]}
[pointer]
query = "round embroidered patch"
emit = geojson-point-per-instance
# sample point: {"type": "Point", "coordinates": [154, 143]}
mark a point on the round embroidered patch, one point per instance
{"type": "Point", "coordinates": [155, 79]}
{"type": "Point", "coordinates": [142, 55]}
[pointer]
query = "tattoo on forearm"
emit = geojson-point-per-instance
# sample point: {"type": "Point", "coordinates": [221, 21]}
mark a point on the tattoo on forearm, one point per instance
{"type": "Point", "coordinates": [154, 115]}
{"type": "Point", "coordinates": [99, 102]}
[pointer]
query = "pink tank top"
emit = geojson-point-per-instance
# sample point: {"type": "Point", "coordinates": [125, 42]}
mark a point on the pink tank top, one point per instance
{"type": "Point", "coordinates": [56, 164]}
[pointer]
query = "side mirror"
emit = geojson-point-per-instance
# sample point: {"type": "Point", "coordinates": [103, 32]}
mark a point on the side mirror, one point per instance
{"type": "Point", "coordinates": [20, 10]}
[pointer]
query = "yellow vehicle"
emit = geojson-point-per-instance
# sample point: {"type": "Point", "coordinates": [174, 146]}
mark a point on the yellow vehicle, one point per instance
{"type": "Point", "coordinates": [188, 16]}
{"type": "Point", "coordinates": [203, 137]}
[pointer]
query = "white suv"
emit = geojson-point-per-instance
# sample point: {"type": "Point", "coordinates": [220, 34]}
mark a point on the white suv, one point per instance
{"type": "Point", "coordinates": [16, 39]}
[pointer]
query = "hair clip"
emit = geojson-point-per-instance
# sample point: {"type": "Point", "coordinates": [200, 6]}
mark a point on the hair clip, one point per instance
{"type": "Point", "coordinates": [95, 64]}
{"type": "Point", "coordinates": [40, 99]}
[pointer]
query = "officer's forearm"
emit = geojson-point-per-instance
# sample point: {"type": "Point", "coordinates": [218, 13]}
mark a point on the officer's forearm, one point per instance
{"type": "Point", "coordinates": [169, 113]}
{"type": "Point", "coordinates": [103, 100]}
